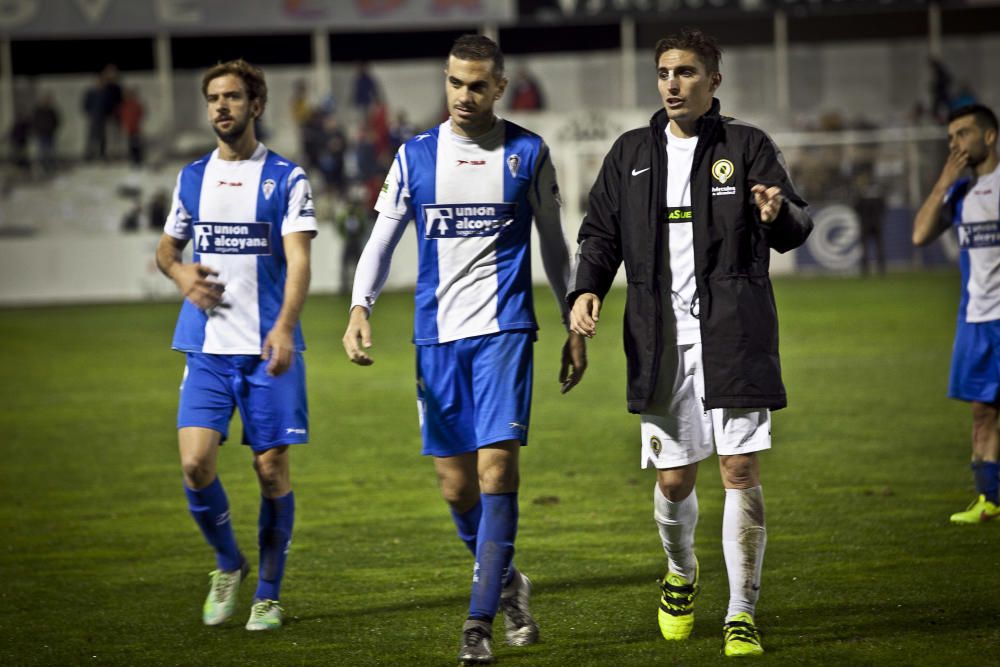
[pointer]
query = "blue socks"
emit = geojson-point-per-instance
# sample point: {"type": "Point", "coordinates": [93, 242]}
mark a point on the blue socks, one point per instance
{"type": "Point", "coordinates": [468, 524]}
{"type": "Point", "coordinates": [210, 509]}
{"type": "Point", "coordinates": [494, 553]}
{"type": "Point", "coordinates": [987, 483]}
{"type": "Point", "coordinates": [277, 515]}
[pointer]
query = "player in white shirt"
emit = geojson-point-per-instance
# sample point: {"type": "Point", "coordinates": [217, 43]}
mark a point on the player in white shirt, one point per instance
{"type": "Point", "coordinates": [692, 205]}
{"type": "Point", "coordinates": [473, 185]}
{"type": "Point", "coordinates": [967, 196]}
{"type": "Point", "coordinates": [249, 212]}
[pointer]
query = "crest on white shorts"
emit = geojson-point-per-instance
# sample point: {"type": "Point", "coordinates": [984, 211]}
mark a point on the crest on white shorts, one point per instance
{"type": "Point", "coordinates": [655, 445]}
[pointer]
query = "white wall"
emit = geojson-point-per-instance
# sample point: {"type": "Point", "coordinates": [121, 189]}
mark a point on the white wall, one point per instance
{"type": "Point", "coordinates": [121, 267]}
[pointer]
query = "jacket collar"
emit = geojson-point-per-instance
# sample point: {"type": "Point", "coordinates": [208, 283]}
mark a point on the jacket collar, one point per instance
{"type": "Point", "coordinates": [704, 126]}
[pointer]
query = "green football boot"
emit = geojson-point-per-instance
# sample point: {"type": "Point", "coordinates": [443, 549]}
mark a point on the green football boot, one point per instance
{"type": "Point", "coordinates": [676, 613]}
{"type": "Point", "coordinates": [740, 638]}
{"type": "Point", "coordinates": [265, 615]}
{"type": "Point", "coordinates": [221, 600]}
{"type": "Point", "coordinates": [980, 510]}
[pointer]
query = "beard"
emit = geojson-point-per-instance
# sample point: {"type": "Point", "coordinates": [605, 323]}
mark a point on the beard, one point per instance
{"type": "Point", "coordinates": [237, 130]}
{"type": "Point", "coordinates": [978, 156]}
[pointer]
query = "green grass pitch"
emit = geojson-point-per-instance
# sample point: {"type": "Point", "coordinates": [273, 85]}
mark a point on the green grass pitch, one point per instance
{"type": "Point", "coordinates": [102, 565]}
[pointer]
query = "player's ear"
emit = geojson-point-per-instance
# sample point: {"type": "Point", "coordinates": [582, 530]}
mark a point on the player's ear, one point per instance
{"type": "Point", "coordinates": [990, 137]}
{"type": "Point", "coordinates": [716, 80]}
{"type": "Point", "coordinates": [501, 86]}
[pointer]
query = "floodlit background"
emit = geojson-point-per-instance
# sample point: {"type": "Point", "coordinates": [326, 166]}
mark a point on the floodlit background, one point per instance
{"type": "Point", "coordinates": [853, 91]}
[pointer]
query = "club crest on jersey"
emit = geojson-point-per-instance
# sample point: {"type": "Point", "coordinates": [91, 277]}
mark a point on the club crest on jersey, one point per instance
{"type": "Point", "coordinates": [722, 171]}
{"type": "Point", "coordinates": [448, 221]}
{"type": "Point", "coordinates": [232, 238]}
{"type": "Point", "coordinates": [268, 187]}
{"type": "Point", "coordinates": [513, 162]}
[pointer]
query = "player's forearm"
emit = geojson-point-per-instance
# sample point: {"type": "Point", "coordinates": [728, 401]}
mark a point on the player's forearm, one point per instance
{"type": "Point", "coordinates": [927, 223]}
{"type": "Point", "coordinates": [296, 291]}
{"type": "Point", "coordinates": [299, 274]}
{"type": "Point", "coordinates": [168, 256]}
{"type": "Point", "coordinates": [555, 260]}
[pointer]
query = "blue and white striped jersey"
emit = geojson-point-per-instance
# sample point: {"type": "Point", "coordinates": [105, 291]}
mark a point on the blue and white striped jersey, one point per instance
{"type": "Point", "coordinates": [473, 201]}
{"type": "Point", "coordinates": [237, 213]}
{"type": "Point", "coordinates": [976, 216]}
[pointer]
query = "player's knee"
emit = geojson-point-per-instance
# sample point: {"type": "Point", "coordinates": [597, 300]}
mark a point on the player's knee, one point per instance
{"type": "Point", "coordinates": [739, 472]}
{"type": "Point", "coordinates": [458, 491]}
{"type": "Point", "coordinates": [675, 489]}
{"type": "Point", "coordinates": [198, 473]}
{"type": "Point", "coordinates": [984, 415]}
{"type": "Point", "coordinates": [499, 479]}
{"type": "Point", "coordinates": [272, 469]}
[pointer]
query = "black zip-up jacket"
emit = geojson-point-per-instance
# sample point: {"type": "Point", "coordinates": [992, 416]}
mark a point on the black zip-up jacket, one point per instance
{"type": "Point", "coordinates": [625, 221]}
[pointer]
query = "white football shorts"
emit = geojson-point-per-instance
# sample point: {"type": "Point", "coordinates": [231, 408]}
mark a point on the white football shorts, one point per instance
{"type": "Point", "coordinates": [677, 430]}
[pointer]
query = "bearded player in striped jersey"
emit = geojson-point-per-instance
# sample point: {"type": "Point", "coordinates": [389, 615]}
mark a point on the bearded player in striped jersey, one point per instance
{"type": "Point", "coordinates": [967, 196]}
{"type": "Point", "coordinates": [249, 212]}
{"type": "Point", "coordinates": [472, 185]}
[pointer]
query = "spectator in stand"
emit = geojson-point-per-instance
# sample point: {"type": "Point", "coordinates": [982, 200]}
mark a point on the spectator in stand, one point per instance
{"type": "Point", "coordinates": [526, 93]}
{"type": "Point", "coordinates": [365, 88]}
{"type": "Point", "coordinates": [19, 135]}
{"type": "Point", "coordinates": [400, 132]}
{"type": "Point", "coordinates": [378, 121]}
{"type": "Point", "coordinates": [130, 115]}
{"type": "Point", "coordinates": [965, 96]}
{"type": "Point", "coordinates": [940, 90]}
{"type": "Point", "coordinates": [112, 95]}
{"type": "Point", "coordinates": [352, 225]}
{"type": "Point", "coordinates": [45, 123]}
{"type": "Point", "coordinates": [869, 200]}
{"type": "Point", "coordinates": [93, 108]}
{"type": "Point", "coordinates": [302, 116]}
{"type": "Point", "coordinates": [335, 154]}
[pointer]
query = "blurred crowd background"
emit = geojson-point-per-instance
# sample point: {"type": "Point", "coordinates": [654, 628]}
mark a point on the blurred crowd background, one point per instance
{"type": "Point", "coordinates": [100, 102]}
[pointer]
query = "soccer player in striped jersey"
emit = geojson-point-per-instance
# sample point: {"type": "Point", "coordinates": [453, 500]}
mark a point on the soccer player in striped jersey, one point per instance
{"type": "Point", "coordinates": [967, 196]}
{"type": "Point", "coordinates": [250, 214]}
{"type": "Point", "coordinates": [472, 185]}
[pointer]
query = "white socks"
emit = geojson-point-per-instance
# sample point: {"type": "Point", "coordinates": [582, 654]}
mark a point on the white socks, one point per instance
{"type": "Point", "coordinates": [743, 541]}
{"type": "Point", "coordinates": [676, 522]}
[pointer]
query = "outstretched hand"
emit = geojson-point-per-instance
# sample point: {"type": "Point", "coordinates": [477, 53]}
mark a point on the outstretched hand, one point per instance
{"type": "Point", "coordinates": [768, 201]}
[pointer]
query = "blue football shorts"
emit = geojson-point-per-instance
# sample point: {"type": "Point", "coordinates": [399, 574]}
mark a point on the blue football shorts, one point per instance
{"type": "Point", "coordinates": [273, 409]}
{"type": "Point", "coordinates": [975, 362]}
{"type": "Point", "coordinates": [474, 392]}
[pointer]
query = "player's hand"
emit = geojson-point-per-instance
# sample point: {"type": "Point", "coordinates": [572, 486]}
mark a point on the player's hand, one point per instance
{"type": "Point", "coordinates": [574, 361]}
{"type": "Point", "coordinates": [358, 336]}
{"type": "Point", "coordinates": [585, 314]}
{"type": "Point", "coordinates": [768, 201]}
{"type": "Point", "coordinates": [196, 284]}
{"type": "Point", "coordinates": [278, 349]}
{"type": "Point", "coordinates": [957, 162]}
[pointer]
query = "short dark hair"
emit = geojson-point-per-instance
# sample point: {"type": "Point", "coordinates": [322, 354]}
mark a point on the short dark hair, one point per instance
{"type": "Point", "coordinates": [985, 118]}
{"type": "Point", "coordinates": [252, 77]}
{"type": "Point", "coordinates": [478, 47]}
{"type": "Point", "coordinates": [695, 41]}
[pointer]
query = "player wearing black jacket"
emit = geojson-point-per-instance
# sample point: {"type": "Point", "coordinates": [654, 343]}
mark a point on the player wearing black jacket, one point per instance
{"type": "Point", "coordinates": [701, 327]}
{"type": "Point", "coordinates": [739, 323]}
